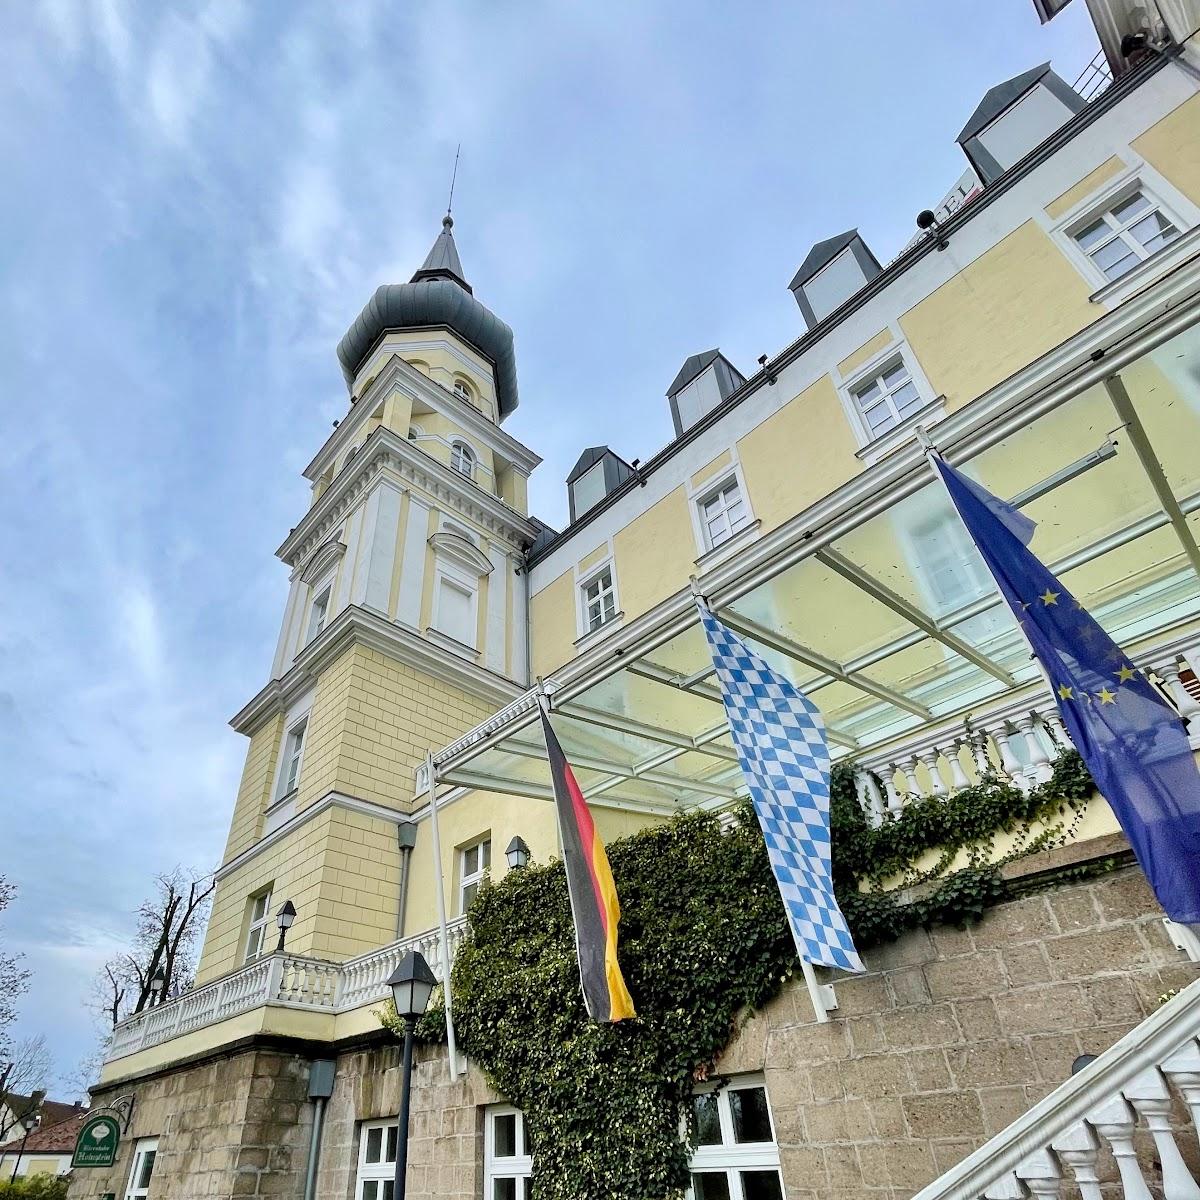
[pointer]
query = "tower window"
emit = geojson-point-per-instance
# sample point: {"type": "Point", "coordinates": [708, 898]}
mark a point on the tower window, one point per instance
{"type": "Point", "coordinates": [259, 920]}
{"type": "Point", "coordinates": [318, 613]}
{"type": "Point", "coordinates": [293, 753]}
{"type": "Point", "coordinates": [462, 459]}
{"type": "Point", "coordinates": [462, 389]}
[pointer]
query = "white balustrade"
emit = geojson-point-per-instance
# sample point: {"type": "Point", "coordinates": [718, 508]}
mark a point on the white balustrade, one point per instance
{"type": "Point", "coordinates": [1018, 741]}
{"type": "Point", "coordinates": [1128, 1088]}
{"type": "Point", "coordinates": [285, 980]}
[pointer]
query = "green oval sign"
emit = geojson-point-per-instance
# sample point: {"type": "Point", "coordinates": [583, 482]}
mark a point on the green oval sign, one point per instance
{"type": "Point", "coordinates": [96, 1145]}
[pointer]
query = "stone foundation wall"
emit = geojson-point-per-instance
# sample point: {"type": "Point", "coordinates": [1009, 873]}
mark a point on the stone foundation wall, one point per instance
{"type": "Point", "coordinates": [953, 1034]}
{"type": "Point", "coordinates": [239, 1126]}
{"type": "Point", "coordinates": [949, 1037]}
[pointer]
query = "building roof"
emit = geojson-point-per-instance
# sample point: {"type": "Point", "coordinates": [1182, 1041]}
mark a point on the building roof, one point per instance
{"type": "Point", "coordinates": [692, 367]}
{"type": "Point", "coordinates": [52, 1111]}
{"type": "Point", "coordinates": [821, 255]}
{"type": "Point", "coordinates": [438, 294]}
{"type": "Point", "coordinates": [51, 1137]}
{"type": "Point", "coordinates": [997, 99]}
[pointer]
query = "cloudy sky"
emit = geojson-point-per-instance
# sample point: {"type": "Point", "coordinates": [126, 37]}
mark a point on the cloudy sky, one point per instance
{"type": "Point", "coordinates": [198, 199]}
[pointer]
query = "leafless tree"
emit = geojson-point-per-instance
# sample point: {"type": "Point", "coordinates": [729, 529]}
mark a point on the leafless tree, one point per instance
{"type": "Point", "coordinates": [169, 926]}
{"type": "Point", "coordinates": [14, 979]}
{"type": "Point", "coordinates": [25, 1071]}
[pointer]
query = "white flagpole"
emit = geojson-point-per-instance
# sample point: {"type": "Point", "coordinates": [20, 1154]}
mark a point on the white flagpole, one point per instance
{"type": "Point", "coordinates": [818, 993]}
{"type": "Point", "coordinates": [443, 931]}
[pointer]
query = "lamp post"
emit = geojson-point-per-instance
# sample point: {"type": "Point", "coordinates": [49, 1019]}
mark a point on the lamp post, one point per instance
{"type": "Point", "coordinates": [517, 853]}
{"type": "Point", "coordinates": [29, 1122]}
{"type": "Point", "coordinates": [157, 982]}
{"type": "Point", "coordinates": [284, 918]}
{"type": "Point", "coordinates": [412, 984]}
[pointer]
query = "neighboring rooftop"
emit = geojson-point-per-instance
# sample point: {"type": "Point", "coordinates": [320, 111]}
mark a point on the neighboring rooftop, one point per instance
{"type": "Point", "coordinates": [56, 1138]}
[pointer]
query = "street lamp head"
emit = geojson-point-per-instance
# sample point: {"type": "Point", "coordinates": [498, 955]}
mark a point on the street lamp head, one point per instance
{"type": "Point", "coordinates": [285, 916]}
{"type": "Point", "coordinates": [157, 982]}
{"type": "Point", "coordinates": [412, 983]}
{"type": "Point", "coordinates": [30, 1121]}
{"type": "Point", "coordinates": [517, 853]}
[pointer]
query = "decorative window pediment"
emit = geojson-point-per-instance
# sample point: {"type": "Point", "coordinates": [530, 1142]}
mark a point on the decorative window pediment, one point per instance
{"type": "Point", "coordinates": [456, 548]}
{"type": "Point", "coordinates": [323, 561]}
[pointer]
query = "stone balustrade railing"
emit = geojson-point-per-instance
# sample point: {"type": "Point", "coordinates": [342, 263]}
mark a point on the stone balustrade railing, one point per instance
{"type": "Point", "coordinates": [1127, 1089]}
{"type": "Point", "coordinates": [282, 980]}
{"type": "Point", "coordinates": [1017, 741]}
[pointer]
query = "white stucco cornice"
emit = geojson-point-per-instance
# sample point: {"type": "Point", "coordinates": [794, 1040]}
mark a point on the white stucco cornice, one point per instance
{"type": "Point", "coordinates": [397, 374]}
{"type": "Point", "coordinates": [356, 626]}
{"type": "Point", "coordinates": [385, 451]}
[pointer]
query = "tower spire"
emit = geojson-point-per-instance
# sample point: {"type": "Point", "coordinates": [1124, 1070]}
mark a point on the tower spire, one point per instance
{"type": "Point", "coordinates": [442, 261]}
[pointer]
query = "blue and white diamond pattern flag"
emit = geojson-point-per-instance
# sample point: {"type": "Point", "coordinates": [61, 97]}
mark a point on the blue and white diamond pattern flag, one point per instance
{"type": "Point", "coordinates": [780, 741]}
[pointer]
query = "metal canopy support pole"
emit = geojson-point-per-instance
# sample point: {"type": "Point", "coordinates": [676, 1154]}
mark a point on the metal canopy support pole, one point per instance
{"type": "Point", "coordinates": [1114, 385]}
{"type": "Point", "coordinates": [443, 930]}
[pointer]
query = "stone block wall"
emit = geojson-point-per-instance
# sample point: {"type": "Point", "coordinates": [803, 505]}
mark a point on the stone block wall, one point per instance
{"type": "Point", "coordinates": [953, 1034]}
{"type": "Point", "coordinates": [236, 1127]}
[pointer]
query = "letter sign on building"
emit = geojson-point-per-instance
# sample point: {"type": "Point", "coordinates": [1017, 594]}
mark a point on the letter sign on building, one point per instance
{"type": "Point", "coordinates": [96, 1145]}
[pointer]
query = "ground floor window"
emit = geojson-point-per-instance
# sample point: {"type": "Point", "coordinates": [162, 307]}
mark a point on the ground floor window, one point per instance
{"type": "Point", "coordinates": [507, 1154]}
{"type": "Point", "coordinates": [736, 1157]}
{"type": "Point", "coordinates": [145, 1150]}
{"type": "Point", "coordinates": [376, 1161]}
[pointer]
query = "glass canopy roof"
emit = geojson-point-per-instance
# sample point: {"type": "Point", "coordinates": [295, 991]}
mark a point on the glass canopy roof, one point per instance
{"type": "Point", "coordinates": [897, 623]}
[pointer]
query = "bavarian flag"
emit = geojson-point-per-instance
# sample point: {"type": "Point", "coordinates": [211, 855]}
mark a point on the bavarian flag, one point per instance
{"type": "Point", "coordinates": [593, 893]}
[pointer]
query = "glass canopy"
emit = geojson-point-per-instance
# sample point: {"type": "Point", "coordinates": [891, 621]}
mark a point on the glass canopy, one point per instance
{"type": "Point", "coordinates": [896, 623]}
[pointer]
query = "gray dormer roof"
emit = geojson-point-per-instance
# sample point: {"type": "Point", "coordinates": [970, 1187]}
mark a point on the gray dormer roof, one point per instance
{"type": "Point", "coordinates": [821, 255]}
{"type": "Point", "coordinates": [692, 367]}
{"type": "Point", "coordinates": [588, 459]}
{"type": "Point", "coordinates": [438, 294]}
{"type": "Point", "coordinates": [997, 99]}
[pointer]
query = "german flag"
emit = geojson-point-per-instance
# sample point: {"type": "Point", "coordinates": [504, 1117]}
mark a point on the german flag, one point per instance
{"type": "Point", "coordinates": [593, 893]}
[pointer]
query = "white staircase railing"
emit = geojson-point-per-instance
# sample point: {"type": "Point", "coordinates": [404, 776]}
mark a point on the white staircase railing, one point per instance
{"type": "Point", "coordinates": [1060, 1139]}
{"type": "Point", "coordinates": [282, 980]}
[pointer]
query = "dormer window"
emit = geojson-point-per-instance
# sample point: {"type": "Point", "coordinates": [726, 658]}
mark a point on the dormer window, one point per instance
{"type": "Point", "coordinates": [833, 271]}
{"type": "Point", "coordinates": [462, 459]}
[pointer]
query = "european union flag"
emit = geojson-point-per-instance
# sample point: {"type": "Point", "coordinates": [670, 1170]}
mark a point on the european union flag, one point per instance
{"type": "Point", "coordinates": [1131, 739]}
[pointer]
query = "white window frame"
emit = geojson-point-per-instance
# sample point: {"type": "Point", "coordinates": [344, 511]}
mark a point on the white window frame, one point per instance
{"type": "Point", "coordinates": [141, 1148]}
{"type": "Point", "coordinates": [886, 397]}
{"type": "Point", "coordinates": [495, 1168]}
{"type": "Point", "coordinates": [382, 1172]}
{"type": "Point", "coordinates": [257, 926]}
{"type": "Point", "coordinates": [733, 1157]}
{"type": "Point", "coordinates": [583, 583]}
{"type": "Point", "coordinates": [875, 445]}
{"type": "Point", "coordinates": [701, 493]}
{"type": "Point", "coordinates": [463, 456]}
{"type": "Point", "coordinates": [292, 758]}
{"type": "Point", "coordinates": [1179, 210]}
{"type": "Point", "coordinates": [463, 390]}
{"type": "Point", "coordinates": [482, 846]}
{"type": "Point", "coordinates": [322, 592]}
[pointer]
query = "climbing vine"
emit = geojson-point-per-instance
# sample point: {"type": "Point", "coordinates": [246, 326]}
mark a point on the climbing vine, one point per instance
{"type": "Point", "coordinates": [704, 943]}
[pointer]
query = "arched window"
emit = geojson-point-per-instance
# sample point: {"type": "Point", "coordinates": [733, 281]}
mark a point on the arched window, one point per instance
{"type": "Point", "coordinates": [414, 432]}
{"type": "Point", "coordinates": [462, 459]}
{"type": "Point", "coordinates": [349, 455]}
{"type": "Point", "coordinates": [462, 389]}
